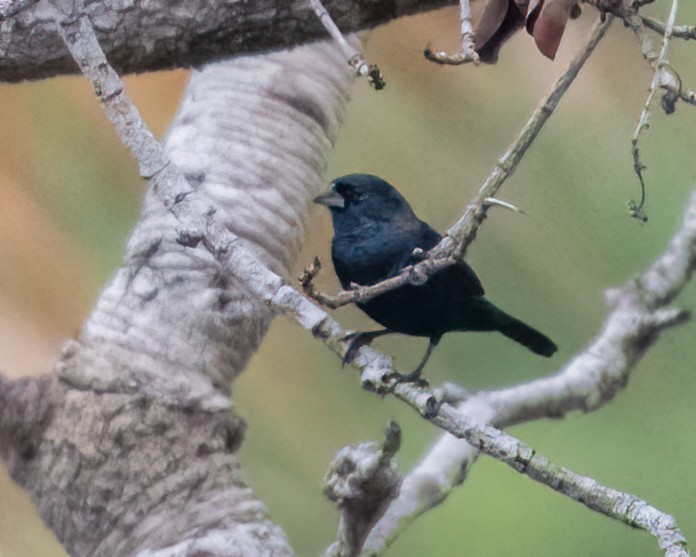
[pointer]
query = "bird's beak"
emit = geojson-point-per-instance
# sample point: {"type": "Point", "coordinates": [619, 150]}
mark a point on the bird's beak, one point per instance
{"type": "Point", "coordinates": [331, 199]}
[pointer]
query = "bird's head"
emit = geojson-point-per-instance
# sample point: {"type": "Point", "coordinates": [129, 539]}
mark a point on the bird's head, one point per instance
{"type": "Point", "coordinates": [357, 199]}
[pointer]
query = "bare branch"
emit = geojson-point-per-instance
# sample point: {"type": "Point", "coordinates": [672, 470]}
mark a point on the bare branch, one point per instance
{"type": "Point", "coordinates": [467, 50]}
{"type": "Point", "coordinates": [355, 59]}
{"type": "Point", "coordinates": [464, 230]}
{"type": "Point", "coordinates": [612, 503]}
{"type": "Point", "coordinates": [660, 76]}
{"type": "Point", "coordinates": [171, 186]}
{"type": "Point", "coordinates": [686, 32]}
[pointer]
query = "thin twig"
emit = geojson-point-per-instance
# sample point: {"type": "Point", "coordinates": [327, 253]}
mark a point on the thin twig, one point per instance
{"type": "Point", "coordinates": [671, 81]}
{"type": "Point", "coordinates": [464, 230]}
{"type": "Point", "coordinates": [688, 96]}
{"type": "Point", "coordinates": [686, 32]}
{"type": "Point", "coordinates": [453, 247]}
{"type": "Point", "coordinates": [355, 58]}
{"type": "Point", "coordinates": [348, 51]}
{"type": "Point", "coordinates": [638, 209]}
{"type": "Point", "coordinates": [467, 49]}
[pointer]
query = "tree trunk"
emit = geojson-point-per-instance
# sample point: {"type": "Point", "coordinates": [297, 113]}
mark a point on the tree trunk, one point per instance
{"type": "Point", "coordinates": [130, 448]}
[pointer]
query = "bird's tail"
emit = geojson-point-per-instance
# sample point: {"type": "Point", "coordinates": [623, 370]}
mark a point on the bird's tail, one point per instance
{"type": "Point", "coordinates": [528, 336]}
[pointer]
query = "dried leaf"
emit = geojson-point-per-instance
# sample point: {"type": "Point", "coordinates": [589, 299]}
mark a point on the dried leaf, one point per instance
{"type": "Point", "coordinates": [533, 11]}
{"type": "Point", "coordinates": [490, 20]}
{"type": "Point", "coordinates": [500, 19]}
{"type": "Point", "coordinates": [546, 22]}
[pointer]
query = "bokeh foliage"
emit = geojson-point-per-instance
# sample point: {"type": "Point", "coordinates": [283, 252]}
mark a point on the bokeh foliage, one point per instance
{"type": "Point", "coordinates": [71, 194]}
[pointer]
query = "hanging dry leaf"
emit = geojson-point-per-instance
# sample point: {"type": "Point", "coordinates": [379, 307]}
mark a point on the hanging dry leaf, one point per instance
{"type": "Point", "coordinates": [499, 20]}
{"type": "Point", "coordinates": [545, 20]}
{"type": "Point", "coordinates": [490, 20]}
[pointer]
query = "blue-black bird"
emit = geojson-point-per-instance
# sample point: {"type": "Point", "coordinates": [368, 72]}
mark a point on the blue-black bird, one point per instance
{"type": "Point", "coordinates": [375, 235]}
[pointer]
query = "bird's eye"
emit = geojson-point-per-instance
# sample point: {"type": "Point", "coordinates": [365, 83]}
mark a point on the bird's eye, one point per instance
{"type": "Point", "coordinates": [349, 194]}
{"type": "Point", "coordinates": [341, 188]}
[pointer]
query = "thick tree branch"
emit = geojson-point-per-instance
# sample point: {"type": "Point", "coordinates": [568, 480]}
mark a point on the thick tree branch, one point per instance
{"type": "Point", "coordinates": [141, 35]}
{"type": "Point", "coordinates": [362, 480]}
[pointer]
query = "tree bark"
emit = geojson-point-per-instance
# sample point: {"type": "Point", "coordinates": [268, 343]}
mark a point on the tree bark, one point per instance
{"type": "Point", "coordinates": [129, 448]}
{"type": "Point", "coordinates": [140, 36]}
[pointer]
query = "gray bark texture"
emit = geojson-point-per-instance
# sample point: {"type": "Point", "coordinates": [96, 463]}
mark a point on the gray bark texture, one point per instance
{"type": "Point", "coordinates": [147, 35]}
{"type": "Point", "coordinates": [129, 448]}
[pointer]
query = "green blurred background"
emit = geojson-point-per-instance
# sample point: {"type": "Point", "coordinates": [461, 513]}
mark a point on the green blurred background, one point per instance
{"type": "Point", "coordinates": [71, 194]}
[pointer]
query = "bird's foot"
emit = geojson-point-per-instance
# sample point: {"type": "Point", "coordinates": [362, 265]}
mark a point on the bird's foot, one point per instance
{"type": "Point", "coordinates": [355, 344]}
{"type": "Point", "coordinates": [357, 340]}
{"type": "Point", "coordinates": [413, 377]}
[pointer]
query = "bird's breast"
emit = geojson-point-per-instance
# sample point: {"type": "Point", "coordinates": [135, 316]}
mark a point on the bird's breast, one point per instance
{"type": "Point", "coordinates": [360, 269]}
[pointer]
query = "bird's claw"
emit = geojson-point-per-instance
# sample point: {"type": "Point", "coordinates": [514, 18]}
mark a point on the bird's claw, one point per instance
{"type": "Point", "coordinates": [413, 377]}
{"type": "Point", "coordinates": [357, 340]}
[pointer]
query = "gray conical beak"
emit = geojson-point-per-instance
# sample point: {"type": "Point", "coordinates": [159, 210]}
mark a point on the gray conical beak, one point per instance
{"type": "Point", "coordinates": [331, 199]}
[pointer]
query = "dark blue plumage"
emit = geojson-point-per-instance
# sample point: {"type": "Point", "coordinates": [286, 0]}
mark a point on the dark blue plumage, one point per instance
{"type": "Point", "coordinates": [375, 234]}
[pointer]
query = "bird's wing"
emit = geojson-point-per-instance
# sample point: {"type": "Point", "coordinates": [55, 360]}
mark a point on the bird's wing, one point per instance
{"type": "Point", "coordinates": [460, 277]}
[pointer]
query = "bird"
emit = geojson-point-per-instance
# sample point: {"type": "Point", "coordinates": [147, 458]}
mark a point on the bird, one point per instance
{"type": "Point", "coordinates": [377, 235]}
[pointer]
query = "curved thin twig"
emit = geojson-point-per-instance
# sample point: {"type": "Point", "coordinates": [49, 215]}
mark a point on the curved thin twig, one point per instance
{"type": "Point", "coordinates": [637, 209]}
